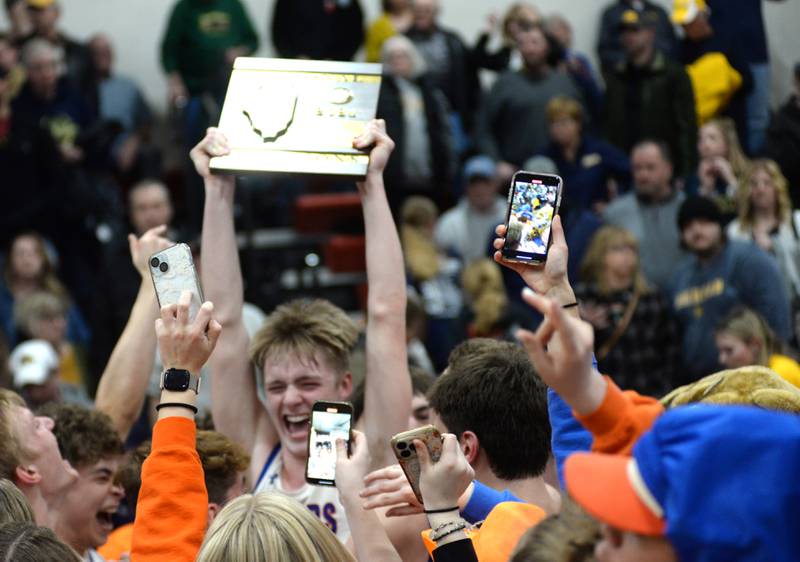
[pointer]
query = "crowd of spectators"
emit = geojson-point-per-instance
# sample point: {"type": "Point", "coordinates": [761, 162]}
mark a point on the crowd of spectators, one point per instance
{"type": "Point", "coordinates": [675, 255]}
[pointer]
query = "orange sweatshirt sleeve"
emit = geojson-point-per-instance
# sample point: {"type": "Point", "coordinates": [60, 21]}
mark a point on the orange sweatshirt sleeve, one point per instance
{"type": "Point", "coordinates": [620, 420]}
{"type": "Point", "coordinates": [172, 511]}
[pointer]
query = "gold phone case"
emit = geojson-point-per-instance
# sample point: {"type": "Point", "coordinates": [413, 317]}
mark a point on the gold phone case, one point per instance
{"type": "Point", "coordinates": [403, 447]}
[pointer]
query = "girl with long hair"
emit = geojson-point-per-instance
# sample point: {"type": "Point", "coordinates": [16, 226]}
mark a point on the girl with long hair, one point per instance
{"type": "Point", "coordinates": [765, 217]}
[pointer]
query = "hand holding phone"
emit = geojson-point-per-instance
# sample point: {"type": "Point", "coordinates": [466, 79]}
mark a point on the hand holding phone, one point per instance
{"type": "Point", "coordinates": [406, 453]}
{"type": "Point", "coordinates": [443, 482]}
{"type": "Point", "coordinates": [173, 272]}
{"type": "Point", "coordinates": [329, 421]}
{"type": "Point", "coordinates": [550, 280]}
{"type": "Point", "coordinates": [352, 467]}
{"type": "Point", "coordinates": [533, 202]}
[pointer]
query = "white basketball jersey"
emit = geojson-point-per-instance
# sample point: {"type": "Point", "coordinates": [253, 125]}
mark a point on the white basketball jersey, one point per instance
{"type": "Point", "coordinates": [323, 501]}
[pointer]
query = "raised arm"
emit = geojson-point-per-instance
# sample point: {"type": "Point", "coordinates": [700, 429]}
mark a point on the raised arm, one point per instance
{"type": "Point", "coordinates": [234, 399]}
{"type": "Point", "coordinates": [551, 281]}
{"type": "Point", "coordinates": [387, 398]}
{"type": "Point", "coordinates": [370, 540]}
{"type": "Point", "coordinates": [172, 511]}
{"type": "Point", "coordinates": [123, 385]}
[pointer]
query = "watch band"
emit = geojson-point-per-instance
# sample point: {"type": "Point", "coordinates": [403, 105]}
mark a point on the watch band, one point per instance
{"type": "Point", "coordinates": [180, 380]}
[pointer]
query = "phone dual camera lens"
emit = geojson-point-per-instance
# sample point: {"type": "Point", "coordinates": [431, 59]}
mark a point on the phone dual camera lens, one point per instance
{"type": "Point", "coordinates": [405, 454]}
{"type": "Point", "coordinates": [162, 265]}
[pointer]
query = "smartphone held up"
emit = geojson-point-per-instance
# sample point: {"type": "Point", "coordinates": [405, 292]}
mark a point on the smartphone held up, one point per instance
{"type": "Point", "coordinates": [173, 272]}
{"type": "Point", "coordinates": [534, 200]}
{"type": "Point", "coordinates": [329, 421]}
{"type": "Point", "coordinates": [403, 447]}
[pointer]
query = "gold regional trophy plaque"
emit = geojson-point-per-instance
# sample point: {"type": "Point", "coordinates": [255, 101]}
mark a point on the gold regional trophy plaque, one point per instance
{"type": "Point", "coordinates": [297, 116]}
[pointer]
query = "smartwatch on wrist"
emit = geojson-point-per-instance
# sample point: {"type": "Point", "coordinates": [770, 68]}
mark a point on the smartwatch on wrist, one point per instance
{"type": "Point", "coordinates": [179, 380]}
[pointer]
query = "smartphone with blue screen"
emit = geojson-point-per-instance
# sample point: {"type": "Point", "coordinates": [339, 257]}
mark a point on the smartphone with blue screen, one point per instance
{"type": "Point", "coordinates": [533, 202]}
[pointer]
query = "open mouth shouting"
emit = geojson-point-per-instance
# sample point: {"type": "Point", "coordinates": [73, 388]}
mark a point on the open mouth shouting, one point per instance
{"type": "Point", "coordinates": [103, 518]}
{"type": "Point", "coordinates": [297, 426]}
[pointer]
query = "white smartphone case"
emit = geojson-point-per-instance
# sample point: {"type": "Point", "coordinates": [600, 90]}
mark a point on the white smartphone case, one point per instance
{"type": "Point", "coordinates": [180, 275]}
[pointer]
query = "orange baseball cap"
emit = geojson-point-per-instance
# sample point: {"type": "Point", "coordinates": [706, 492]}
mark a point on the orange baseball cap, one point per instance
{"type": "Point", "coordinates": [611, 489]}
{"type": "Point", "coordinates": [41, 4]}
{"type": "Point", "coordinates": [500, 532]}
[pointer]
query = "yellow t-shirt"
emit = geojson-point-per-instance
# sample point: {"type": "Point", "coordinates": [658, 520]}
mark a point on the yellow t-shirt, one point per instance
{"type": "Point", "coordinates": [786, 367]}
{"type": "Point", "coordinates": [380, 30]}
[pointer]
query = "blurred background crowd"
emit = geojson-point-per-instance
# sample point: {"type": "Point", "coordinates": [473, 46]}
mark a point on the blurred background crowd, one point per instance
{"type": "Point", "coordinates": [658, 115]}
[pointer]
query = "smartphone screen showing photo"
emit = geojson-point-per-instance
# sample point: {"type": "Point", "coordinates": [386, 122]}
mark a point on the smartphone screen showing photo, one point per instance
{"type": "Point", "coordinates": [534, 202]}
{"type": "Point", "coordinates": [326, 427]}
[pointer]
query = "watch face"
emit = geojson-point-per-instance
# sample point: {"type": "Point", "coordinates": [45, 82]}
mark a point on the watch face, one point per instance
{"type": "Point", "coordinates": [176, 380]}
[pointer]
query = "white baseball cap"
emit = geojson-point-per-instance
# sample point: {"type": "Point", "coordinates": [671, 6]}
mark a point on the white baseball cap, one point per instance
{"type": "Point", "coordinates": [32, 362]}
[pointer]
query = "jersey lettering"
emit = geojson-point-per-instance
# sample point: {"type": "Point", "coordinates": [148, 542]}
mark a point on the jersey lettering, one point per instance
{"type": "Point", "coordinates": [327, 515]}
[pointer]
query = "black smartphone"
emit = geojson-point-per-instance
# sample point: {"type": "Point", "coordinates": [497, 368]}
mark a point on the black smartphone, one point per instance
{"type": "Point", "coordinates": [329, 421]}
{"type": "Point", "coordinates": [533, 202]}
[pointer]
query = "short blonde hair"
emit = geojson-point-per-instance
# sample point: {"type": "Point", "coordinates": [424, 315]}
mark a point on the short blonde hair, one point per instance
{"type": "Point", "coordinates": [593, 263]}
{"type": "Point", "coordinates": [35, 307]}
{"type": "Point", "coordinates": [270, 526]}
{"type": "Point", "coordinates": [568, 536]}
{"type": "Point", "coordinates": [25, 542]}
{"type": "Point", "coordinates": [12, 453]}
{"type": "Point", "coordinates": [561, 106]}
{"type": "Point", "coordinates": [306, 328]}
{"type": "Point", "coordinates": [783, 204]}
{"type": "Point", "coordinates": [14, 508]}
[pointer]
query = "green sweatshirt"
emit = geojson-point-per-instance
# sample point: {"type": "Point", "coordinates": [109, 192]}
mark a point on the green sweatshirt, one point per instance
{"type": "Point", "coordinates": [198, 34]}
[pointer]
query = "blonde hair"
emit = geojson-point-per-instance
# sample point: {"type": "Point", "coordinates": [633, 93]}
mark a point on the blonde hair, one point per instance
{"type": "Point", "coordinates": [270, 526]}
{"type": "Point", "coordinates": [783, 204]}
{"type": "Point", "coordinates": [306, 328]}
{"type": "Point", "coordinates": [482, 281]}
{"type": "Point", "coordinates": [25, 542]}
{"type": "Point", "coordinates": [516, 13]}
{"type": "Point", "coordinates": [13, 505]}
{"type": "Point", "coordinates": [594, 263]}
{"type": "Point", "coordinates": [12, 453]}
{"type": "Point", "coordinates": [560, 106]}
{"type": "Point", "coordinates": [417, 215]}
{"type": "Point", "coordinates": [747, 325]}
{"type": "Point", "coordinates": [35, 307]}
{"type": "Point", "coordinates": [568, 536]}
{"type": "Point", "coordinates": [736, 157]}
